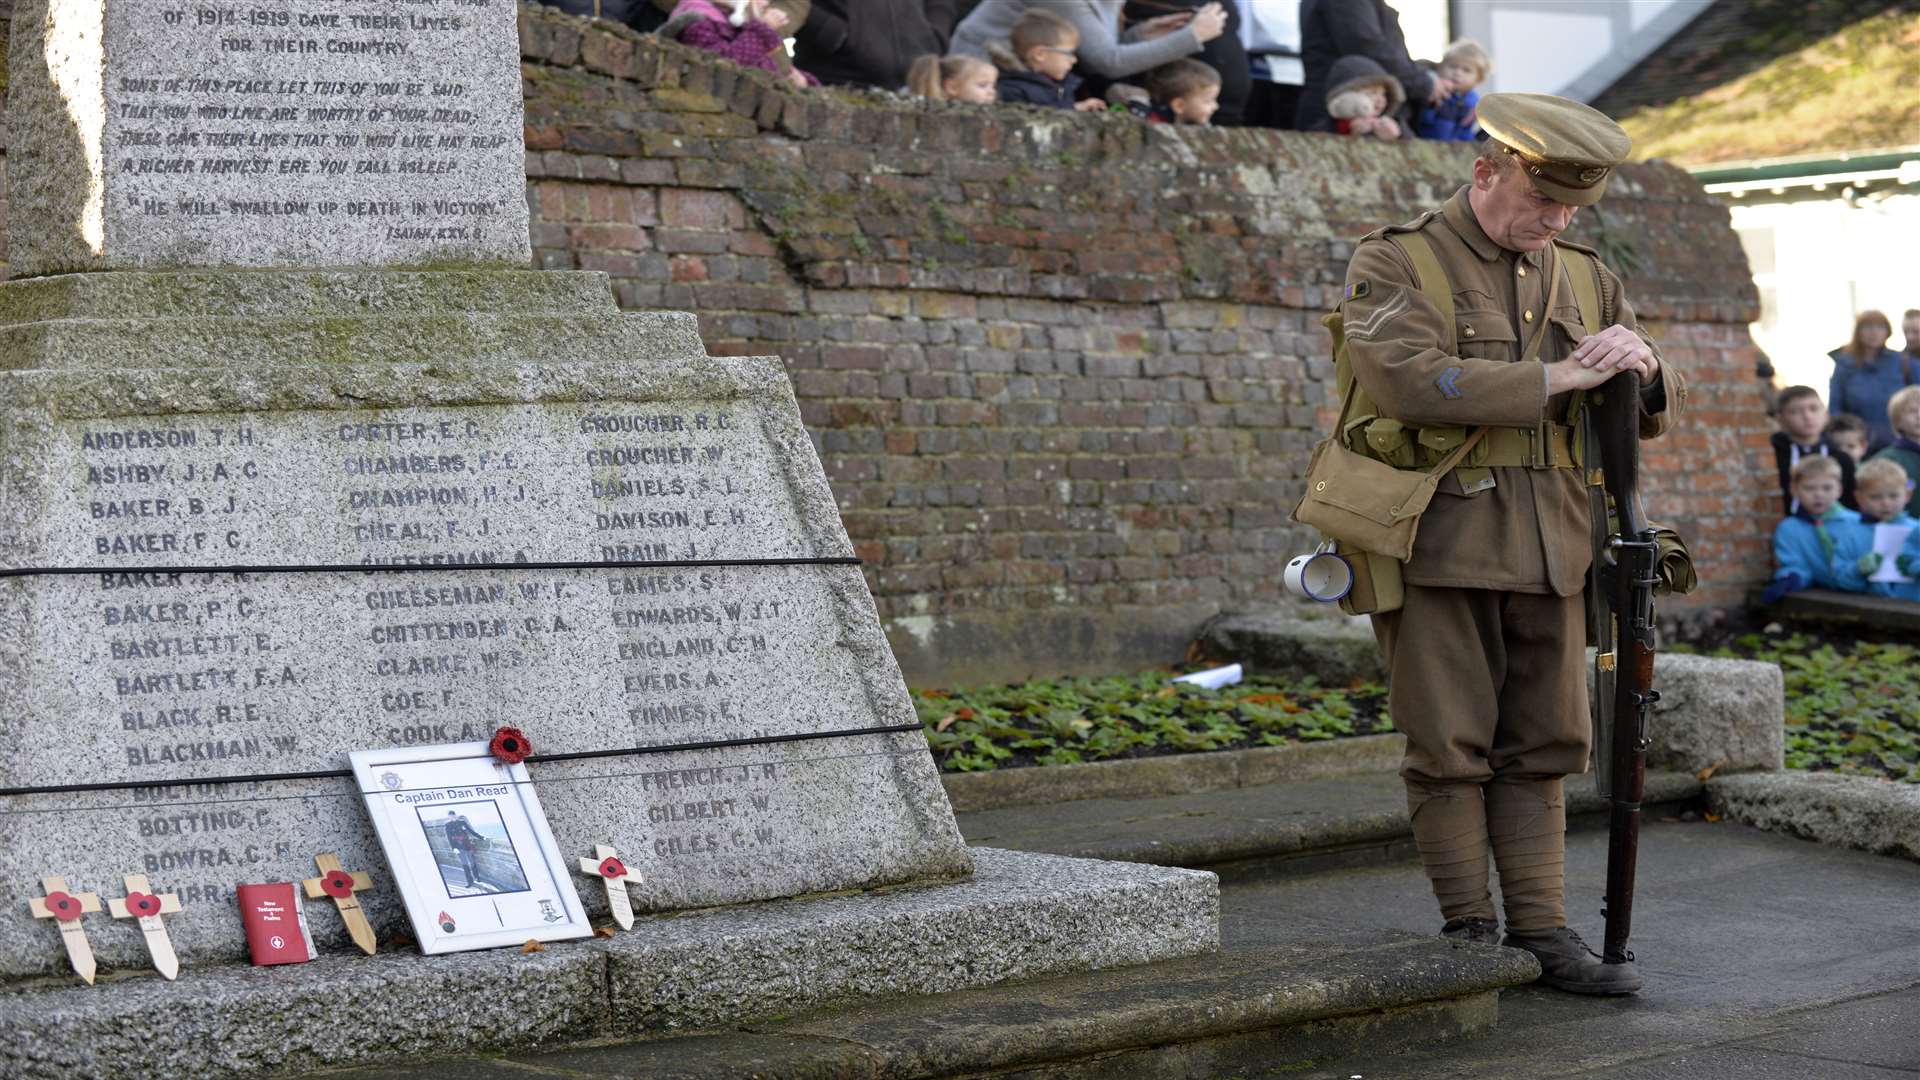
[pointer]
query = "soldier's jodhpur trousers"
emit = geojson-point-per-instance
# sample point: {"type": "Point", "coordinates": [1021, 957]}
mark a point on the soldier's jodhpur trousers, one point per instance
{"type": "Point", "coordinates": [1490, 690]}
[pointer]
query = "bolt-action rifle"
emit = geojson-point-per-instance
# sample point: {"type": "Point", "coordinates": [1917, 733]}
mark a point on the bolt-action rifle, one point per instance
{"type": "Point", "coordinates": [1626, 565]}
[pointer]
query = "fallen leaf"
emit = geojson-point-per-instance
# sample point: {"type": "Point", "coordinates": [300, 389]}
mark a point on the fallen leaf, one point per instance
{"type": "Point", "coordinates": [599, 931]}
{"type": "Point", "coordinates": [1707, 773]}
{"type": "Point", "coordinates": [1712, 817]}
{"type": "Point", "coordinates": [964, 713]}
{"type": "Point", "coordinates": [1166, 692]}
{"type": "Point", "coordinates": [533, 946]}
{"type": "Point", "coordinates": [946, 722]}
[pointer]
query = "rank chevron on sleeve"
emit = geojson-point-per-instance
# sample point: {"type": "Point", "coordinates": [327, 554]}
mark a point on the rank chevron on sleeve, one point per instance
{"type": "Point", "coordinates": [1448, 382]}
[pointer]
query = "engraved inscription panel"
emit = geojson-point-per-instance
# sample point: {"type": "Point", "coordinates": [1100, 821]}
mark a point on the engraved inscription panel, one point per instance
{"type": "Point", "coordinates": [151, 667]}
{"type": "Point", "coordinates": [530, 483]}
{"type": "Point", "coordinates": [701, 827]}
{"type": "Point", "coordinates": [303, 132]}
{"type": "Point", "coordinates": [167, 672]}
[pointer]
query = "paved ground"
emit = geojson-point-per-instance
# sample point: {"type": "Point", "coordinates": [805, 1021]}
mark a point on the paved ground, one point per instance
{"type": "Point", "coordinates": [1764, 957]}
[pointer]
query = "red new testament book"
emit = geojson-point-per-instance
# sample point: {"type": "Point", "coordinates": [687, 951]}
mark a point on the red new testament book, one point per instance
{"type": "Point", "coordinates": [276, 924]}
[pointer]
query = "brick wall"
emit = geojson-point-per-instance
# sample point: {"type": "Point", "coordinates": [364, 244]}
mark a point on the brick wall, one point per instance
{"type": "Point", "coordinates": [1064, 371]}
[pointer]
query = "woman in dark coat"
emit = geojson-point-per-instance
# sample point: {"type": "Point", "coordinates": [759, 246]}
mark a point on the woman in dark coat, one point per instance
{"type": "Point", "coordinates": [1331, 29]}
{"type": "Point", "coordinates": [871, 42]}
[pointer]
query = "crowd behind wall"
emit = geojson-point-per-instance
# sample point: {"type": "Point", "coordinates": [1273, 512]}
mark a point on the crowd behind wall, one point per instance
{"type": "Point", "coordinates": [1064, 372]}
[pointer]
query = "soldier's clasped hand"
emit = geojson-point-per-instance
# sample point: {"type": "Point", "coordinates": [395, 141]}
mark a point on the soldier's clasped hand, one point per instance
{"type": "Point", "coordinates": [1616, 349]}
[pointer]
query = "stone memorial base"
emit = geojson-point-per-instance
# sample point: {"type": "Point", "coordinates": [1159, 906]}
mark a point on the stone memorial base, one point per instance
{"type": "Point", "coordinates": [1022, 916]}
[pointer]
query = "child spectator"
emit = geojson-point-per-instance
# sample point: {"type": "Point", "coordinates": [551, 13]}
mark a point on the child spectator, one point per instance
{"type": "Point", "coordinates": [1466, 65]}
{"type": "Point", "coordinates": [1036, 66]}
{"type": "Point", "coordinates": [1883, 488]}
{"type": "Point", "coordinates": [1848, 434]}
{"type": "Point", "coordinates": [1802, 419]}
{"type": "Point", "coordinates": [1360, 94]}
{"type": "Point", "coordinates": [1803, 543]}
{"type": "Point", "coordinates": [1903, 413]}
{"type": "Point", "coordinates": [1184, 92]}
{"type": "Point", "coordinates": [953, 78]}
{"type": "Point", "coordinates": [746, 32]}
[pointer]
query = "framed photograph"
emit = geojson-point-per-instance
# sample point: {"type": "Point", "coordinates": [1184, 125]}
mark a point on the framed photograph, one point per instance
{"type": "Point", "coordinates": [469, 847]}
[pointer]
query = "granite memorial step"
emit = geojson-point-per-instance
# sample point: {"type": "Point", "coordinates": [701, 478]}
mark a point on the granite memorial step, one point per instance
{"type": "Point", "coordinates": [1021, 916]}
{"type": "Point", "coordinates": [435, 339]}
{"type": "Point", "coordinates": [1253, 1011]}
{"type": "Point", "coordinates": [228, 294]}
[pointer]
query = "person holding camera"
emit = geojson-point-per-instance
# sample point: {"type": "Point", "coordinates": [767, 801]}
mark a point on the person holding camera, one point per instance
{"type": "Point", "coordinates": [1485, 655]}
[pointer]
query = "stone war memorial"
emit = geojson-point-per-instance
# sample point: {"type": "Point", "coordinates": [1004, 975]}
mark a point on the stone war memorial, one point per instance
{"type": "Point", "coordinates": [302, 458]}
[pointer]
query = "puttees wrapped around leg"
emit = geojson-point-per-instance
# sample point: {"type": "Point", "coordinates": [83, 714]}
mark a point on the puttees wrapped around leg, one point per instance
{"type": "Point", "coordinates": [1527, 826]}
{"type": "Point", "coordinates": [1450, 829]}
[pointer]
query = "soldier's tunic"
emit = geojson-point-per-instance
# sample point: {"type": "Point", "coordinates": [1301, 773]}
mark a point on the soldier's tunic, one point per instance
{"type": "Point", "coordinates": [1486, 656]}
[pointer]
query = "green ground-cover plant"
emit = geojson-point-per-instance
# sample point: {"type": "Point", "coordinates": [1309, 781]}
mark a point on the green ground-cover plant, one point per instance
{"type": "Point", "coordinates": [1067, 721]}
{"type": "Point", "coordinates": [1852, 706]}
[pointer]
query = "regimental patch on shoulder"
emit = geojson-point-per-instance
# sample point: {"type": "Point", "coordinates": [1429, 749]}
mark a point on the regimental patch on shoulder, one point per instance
{"type": "Point", "coordinates": [1357, 290]}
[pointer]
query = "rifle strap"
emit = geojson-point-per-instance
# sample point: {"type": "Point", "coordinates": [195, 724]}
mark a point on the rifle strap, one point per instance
{"type": "Point", "coordinates": [1584, 273]}
{"type": "Point", "coordinates": [1434, 283]}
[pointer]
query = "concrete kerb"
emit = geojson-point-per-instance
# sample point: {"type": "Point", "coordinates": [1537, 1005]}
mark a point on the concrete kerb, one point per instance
{"type": "Point", "coordinates": [671, 974]}
{"type": "Point", "coordinates": [1862, 813]}
{"type": "Point", "coordinates": [1278, 642]}
{"type": "Point", "coordinates": [1725, 715]}
{"type": "Point", "coordinates": [1174, 774]}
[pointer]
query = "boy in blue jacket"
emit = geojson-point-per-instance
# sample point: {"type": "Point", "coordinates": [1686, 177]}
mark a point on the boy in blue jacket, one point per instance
{"type": "Point", "coordinates": [1803, 544]}
{"type": "Point", "coordinates": [1881, 488]}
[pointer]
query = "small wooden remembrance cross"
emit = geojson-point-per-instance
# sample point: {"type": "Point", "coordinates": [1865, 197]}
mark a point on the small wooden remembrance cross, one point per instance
{"type": "Point", "coordinates": [341, 885]}
{"type": "Point", "coordinates": [143, 904]}
{"type": "Point", "coordinates": [66, 908]}
{"type": "Point", "coordinates": [616, 877]}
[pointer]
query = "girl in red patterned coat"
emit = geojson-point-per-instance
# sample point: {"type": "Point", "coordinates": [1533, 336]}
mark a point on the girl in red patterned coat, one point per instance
{"type": "Point", "coordinates": [746, 32]}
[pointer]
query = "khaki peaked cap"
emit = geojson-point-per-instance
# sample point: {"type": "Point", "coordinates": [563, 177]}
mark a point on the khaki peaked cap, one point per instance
{"type": "Point", "coordinates": [1568, 149]}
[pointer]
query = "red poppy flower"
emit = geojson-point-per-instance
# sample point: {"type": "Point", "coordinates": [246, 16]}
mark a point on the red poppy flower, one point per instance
{"type": "Point", "coordinates": [64, 906]}
{"type": "Point", "coordinates": [337, 884]}
{"type": "Point", "coordinates": [611, 867]}
{"type": "Point", "coordinates": [510, 746]}
{"type": "Point", "coordinates": [143, 903]}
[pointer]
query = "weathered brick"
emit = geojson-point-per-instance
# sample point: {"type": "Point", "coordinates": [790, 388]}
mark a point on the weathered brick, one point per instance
{"type": "Point", "coordinates": [683, 208]}
{"type": "Point", "coordinates": [1003, 358]}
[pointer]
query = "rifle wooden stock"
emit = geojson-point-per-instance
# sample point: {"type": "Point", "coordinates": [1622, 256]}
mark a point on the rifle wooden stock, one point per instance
{"type": "Point", "coordinates": [1629, 575]}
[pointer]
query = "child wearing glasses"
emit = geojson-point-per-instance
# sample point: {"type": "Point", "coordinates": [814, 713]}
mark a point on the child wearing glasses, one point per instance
{"type": "Point", "coordinates": [1036, 64]}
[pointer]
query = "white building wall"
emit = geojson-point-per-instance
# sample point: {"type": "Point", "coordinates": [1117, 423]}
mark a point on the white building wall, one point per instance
{"type": "Point", "coordinates": [1818, 263]}
{"type": "Point", "coordinates": [1575, 48]}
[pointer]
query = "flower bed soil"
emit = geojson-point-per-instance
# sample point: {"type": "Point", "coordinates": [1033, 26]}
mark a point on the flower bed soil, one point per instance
{"type": "Point", "coordinates": [1853, 691]}
{"type": "Point", "coordinates": [1069, 721]}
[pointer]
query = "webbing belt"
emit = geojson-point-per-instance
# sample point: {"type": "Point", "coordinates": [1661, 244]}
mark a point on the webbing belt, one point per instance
{"type": "Point", "coordinates": [1549, 446]}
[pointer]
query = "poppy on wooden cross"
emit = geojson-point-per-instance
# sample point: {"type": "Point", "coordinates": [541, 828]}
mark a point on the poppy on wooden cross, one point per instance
{"type": "Point", "coordinates": [142, 903]}
{"type": "Point", "coordinates": [341, 885]}
{"type": "Point", "coordinates": [613, 873]}
{"type": "Point", "coordinates": [65, 908]}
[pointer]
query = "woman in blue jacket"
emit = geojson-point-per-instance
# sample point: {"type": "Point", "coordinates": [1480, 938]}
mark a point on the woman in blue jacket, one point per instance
{"type": "Point", "coordinates": [1866, 373]}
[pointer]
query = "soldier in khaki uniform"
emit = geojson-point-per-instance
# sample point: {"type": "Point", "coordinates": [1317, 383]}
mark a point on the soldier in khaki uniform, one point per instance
{"type": "Point", "coordinates": [1486, 656]}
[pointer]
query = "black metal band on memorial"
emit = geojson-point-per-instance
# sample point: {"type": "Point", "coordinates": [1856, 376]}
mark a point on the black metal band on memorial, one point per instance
{"type": "Point", "coordinates": [579, 755]}
{"type": "Point", "coordinates": [358, 568]}
{"type": "Point", "coordinates": [403, 568]}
